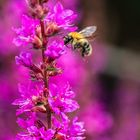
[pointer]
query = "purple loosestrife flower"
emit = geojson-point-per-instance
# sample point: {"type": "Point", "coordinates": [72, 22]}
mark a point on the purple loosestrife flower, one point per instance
{"type": "Point", "coordinates": [24, 59]}
{"type": "Point", "coordinates": [75, 130]}
{"type": "Point", "coordinates": [26, 32]}
{"type": "Point", "coordinates": [34, 133]}
{"type": "Point", "coordinates": [31, 97]}
{"type": "Point", "coordinates": [70, 130]}
{"type": "Point", "coordinates": [64, 18]}
{"type": "Point", "coordinates": [32, 118]}
{"type": "Point", "coordinates": [55, 50]}
{"type": "Point", "coordinates": [35, 129]}
{"type": "Point", "coordinates": [39, 96]}
{"type": "Point", "coordinates": [61, 100]}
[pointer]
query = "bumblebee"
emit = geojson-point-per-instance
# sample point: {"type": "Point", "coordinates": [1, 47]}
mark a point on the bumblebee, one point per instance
{"type": "Point", "coordinates": [79, 40]}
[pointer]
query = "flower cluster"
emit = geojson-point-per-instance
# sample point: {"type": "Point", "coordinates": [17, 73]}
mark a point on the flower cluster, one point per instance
{"type": "Point", "coordinates": [44, 104]}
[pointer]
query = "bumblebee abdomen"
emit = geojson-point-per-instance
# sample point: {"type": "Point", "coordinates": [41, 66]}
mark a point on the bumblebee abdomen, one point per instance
{"type": "Point", "coordinates": [86, 48]}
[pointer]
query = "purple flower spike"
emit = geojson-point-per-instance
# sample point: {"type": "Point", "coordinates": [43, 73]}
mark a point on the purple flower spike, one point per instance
{"type": "Point", "coordinates": [43, 104]}
{"type": "Point", "coordinates": [24, 59]}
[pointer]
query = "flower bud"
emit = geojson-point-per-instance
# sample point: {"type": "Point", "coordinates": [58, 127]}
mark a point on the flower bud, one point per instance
{"type": "Point", "coordinates": [37, 42]}
{"type": "Point", "coordinates": [59, 137]}
{"type": "Point", "coordinates": [55, 72]}
{"type": "Point", "coordinates": [40, 108]}
{"type": "Point", "coordinates": [46, 10]}
{"type": "Point", "coordinates": [38, 11]}
{"type": "Point", "coordinates": [32, 3]}
{"type": "Point", "coordinates": [51, 29]}
{"type": "Point", "coordinates": [38, 32]}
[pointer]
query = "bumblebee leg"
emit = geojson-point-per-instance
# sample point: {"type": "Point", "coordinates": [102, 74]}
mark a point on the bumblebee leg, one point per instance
{"type": "Point", "coordinates": [75, 46]}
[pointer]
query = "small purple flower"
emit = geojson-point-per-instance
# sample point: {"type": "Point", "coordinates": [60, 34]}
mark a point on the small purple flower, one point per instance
{"type": "Point", "coordinates": [26, 32]}
{"type": "Point", "coordinates": [31, 95]}
{"type": "Point", "coordinates": [64, 18]}
{"type": "Point", "coordinates": [61, 99]}
{"type": "Point", "coordinates": [55, 50]}
{"type": "Point", "coordinates": [29, 122]}
{"type": "Point", "coordinates": [34, 133]}
{"type": "Point", "coordinates": [76, 130]}
{"type": "Point", "coordinates": [35, 129]}
{"type": "Point", "coordinates": [24, 59]}
{"type": "Point", "coordinates": [70, 130]}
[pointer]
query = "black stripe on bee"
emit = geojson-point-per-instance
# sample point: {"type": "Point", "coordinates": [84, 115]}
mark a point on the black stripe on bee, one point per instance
{"type": "Point", "coordinates": [68, 39]}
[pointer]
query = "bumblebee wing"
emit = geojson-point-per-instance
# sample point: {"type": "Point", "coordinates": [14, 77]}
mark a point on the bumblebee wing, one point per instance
{"type": "Point", "coordinates": [88, 31]}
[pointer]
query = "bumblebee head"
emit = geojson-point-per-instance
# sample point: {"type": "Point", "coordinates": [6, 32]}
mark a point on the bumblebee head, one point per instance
{"type": "Point", "coordinates": [67, 39]}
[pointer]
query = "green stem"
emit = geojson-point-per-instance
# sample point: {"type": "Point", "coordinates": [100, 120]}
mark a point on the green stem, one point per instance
{"type": "Point", "coordinates": [46, 78]}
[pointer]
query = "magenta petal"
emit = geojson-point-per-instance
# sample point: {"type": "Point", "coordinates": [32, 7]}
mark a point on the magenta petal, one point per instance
{"type": "Point", "coordinates": [58, 8]}
{"type": "Point", "coordinates": [24, 59]}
